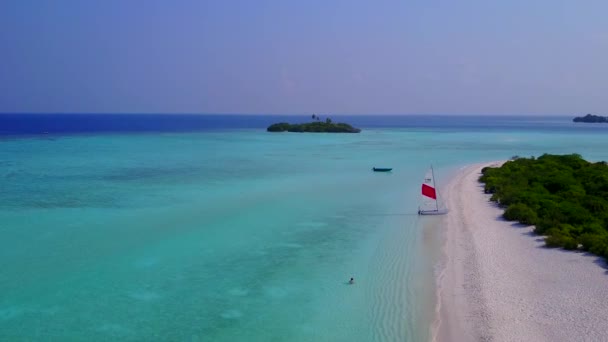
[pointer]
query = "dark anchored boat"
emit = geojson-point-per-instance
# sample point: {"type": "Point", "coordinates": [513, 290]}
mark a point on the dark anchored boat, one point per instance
{"type": "Point", "coordinates": [382, 169]}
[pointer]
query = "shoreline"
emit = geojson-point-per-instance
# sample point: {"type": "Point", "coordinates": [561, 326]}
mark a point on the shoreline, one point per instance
{"type": "Point", "coordinates": [496, 280]}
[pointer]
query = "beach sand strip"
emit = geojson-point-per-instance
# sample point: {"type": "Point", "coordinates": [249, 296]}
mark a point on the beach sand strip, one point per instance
{"type": "Point", "coordinates": [497, 281]}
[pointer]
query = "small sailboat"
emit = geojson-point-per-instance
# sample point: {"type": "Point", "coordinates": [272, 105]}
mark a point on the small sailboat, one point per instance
{"type": "Point", "coordinates": [430, 202]}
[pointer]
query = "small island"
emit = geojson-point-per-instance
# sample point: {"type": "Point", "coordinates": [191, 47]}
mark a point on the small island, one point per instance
{"type": "Point", "coordinates": [316, 126]}
{"type": "Point", "coordinates": [591, 118]}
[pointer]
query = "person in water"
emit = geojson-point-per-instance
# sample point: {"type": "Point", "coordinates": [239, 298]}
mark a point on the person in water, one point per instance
{"type": "Point", "coordinates": [351, 281]}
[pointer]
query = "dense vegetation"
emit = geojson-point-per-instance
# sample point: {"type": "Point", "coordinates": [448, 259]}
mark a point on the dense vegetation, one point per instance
{"type": "Point", "coordinates": [590, 118]}
{"type": "Point", "coordinates": [317, 126]}
{"type": "Point", "coordinates": [564, 196]}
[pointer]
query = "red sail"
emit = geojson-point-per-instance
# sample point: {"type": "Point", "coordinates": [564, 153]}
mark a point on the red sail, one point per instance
{"type": "Point", "coordinates": [429, 191]}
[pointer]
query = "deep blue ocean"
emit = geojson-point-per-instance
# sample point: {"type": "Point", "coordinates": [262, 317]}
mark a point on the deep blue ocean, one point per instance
{"type": "Point", "coordinates": [208, 228]}
{"type": "Point", "coordinates": [28, 124]}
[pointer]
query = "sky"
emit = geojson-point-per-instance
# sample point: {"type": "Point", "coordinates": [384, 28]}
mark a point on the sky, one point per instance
{"type": "Point", "coordinates": [479, 57]}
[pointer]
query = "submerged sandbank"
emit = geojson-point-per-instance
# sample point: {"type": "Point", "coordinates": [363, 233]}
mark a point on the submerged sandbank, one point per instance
{"type": "Point", "coordinates": [498, 282]}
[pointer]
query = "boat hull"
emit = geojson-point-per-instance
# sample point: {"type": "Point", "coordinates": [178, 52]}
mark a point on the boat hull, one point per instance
{"type": "Point", "coordinates": [382, 169]}
{"type": "Point", "coordinates": [433, 212]}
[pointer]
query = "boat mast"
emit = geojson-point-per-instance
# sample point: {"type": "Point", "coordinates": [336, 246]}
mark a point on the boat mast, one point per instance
{"type": "Point", "coordinates": [436, 192]}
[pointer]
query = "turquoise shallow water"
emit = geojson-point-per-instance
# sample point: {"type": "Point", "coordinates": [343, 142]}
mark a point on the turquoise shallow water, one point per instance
{"type": "Point", "coordinates": [234, 234]}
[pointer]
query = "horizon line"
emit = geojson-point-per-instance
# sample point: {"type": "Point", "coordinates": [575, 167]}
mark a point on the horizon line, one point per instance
{"type": "Point", "coordinates": [281, 114]}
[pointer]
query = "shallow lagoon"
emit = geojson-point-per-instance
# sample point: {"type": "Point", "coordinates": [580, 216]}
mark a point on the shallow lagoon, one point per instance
{"type": "Point", "coordinates": [235, 234]}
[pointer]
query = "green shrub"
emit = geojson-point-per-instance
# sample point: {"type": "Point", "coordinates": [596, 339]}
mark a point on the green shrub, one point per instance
{"type": "Point", "coordinates": [554, 241]}
{"type": "Point", "coordinates": [589, 240]}
{"type": "Point", "coordinates": [599, 248]}
{"type": "Point", "coordinates": [520, 212]}
{"type": "Point", "coordinates": [569, 243]}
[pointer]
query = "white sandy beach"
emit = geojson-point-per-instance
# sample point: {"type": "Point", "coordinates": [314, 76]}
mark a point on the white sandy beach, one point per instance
{"type": "Point", "coordinates": [498, 283]}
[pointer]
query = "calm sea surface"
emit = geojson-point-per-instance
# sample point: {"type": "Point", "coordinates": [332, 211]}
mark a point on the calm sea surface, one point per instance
{"type": "Point", "coordinates": [208, 228]}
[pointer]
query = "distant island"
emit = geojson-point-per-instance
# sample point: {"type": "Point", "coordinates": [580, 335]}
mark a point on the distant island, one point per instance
{"type": "Point", "coordinates": [591, 118]}
{"type": "Point", "coordinates": [316, 126]}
